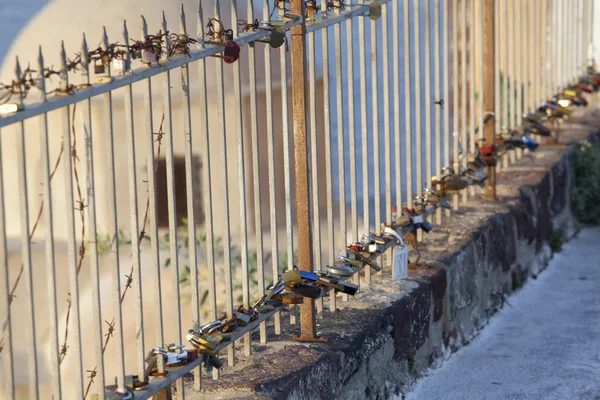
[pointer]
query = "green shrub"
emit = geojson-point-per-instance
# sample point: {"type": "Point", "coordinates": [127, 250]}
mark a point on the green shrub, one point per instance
{"type": "Point", "coordinates": [585, 191]}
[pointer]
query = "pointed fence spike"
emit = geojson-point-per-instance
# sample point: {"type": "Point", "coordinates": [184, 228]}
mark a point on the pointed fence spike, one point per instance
{"type": "Point", "coordinates": [64, 73]}
{"type": "Point", "coordinates": [85, 64]}
{"type": "Point", "coordinates": [145, 26]}
{"type": "Point", "coordinates": [41, 77]}
{"type": "Point", "coordinates": [167, 42]}
{"type": "Point", "coordinates": [104, 38]}
{"type": "Point", "coordinates": [126, 39]}
{"type": "Point", "coordinates": [200, 23]}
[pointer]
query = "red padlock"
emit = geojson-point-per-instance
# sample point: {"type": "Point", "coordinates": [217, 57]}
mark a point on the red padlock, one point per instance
{"type": "Point", "coordinates": [585, 89]}
{"type": "Point", "coordinates": [231, 53]}
{"type": "Point", "coordinates": [488, 160]}
{"type": "Point", "coordinates": [488, 150]}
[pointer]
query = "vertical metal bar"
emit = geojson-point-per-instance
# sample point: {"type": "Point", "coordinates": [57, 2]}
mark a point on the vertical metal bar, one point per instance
{"type": "Point", "coordinates": [428, 100]}
{"type": "Point", "coordinates": [99, 379]}
{"type": "Point", "coordinates": [172, 211]}
{"type": "Point", "coordinates": [271, 162]}
{"type": "Point", "coordinates": [314, 152]}
{"type": "Point", "coordinates": [407, 108]}
{"type": "Point", "coordinates": [472, 87]}
{"type": "Point", "coordinates": [351, 128]}
{"type": "Point", "coordinates": [498, 107]}
{"type": "Point", "coordinates": [488, 79]}
{"type": "Point", "coordinates": [525, 54]}
{"type": "Point", "coordinates": [455, 94]}
{"type": "Point", "coordinates": [396, 77]}
{"type": "Point", "coordinates": [190, 185]}
{"type": "Point", "coordinates": [375, 117]}
{"type": "Point", "coordinates": [542, 35]}
{"type": "Point", "coordinates": [417, 99]}
{"type": "Point", "coordinates": [512, 82]}
{"type": "Point", "coordinates": [113, 227]}
{"type": "Point", "coordinates": [534, 46]}
{"type": "Point", "coordinates": [463, 93]}
{"type": "Point", "coordinates": [479, 19]}
{"type": "Point", "coordinates": [75, 338]}
{"type": "Point", "coordinates": [152, 211]}
{"type": "Point", "coordinates": [328, 153]}
{"type": "Point", "coordinates": [305, 256]}
{"type": "Point", "coordinates": [134, 218]}
{"type": "Point", "coordinates": [286, 160]}
{"type": "Point", "coordinates": [352, 134]}
{"type": "Point", "coordinates": [505, 67]}
{"type": "Point", "coordinates": [519, 67]}
{"type": "Point", "coordinates": [26, 252]}
{"type": "Point", "coordinates": [561, 53]}
{"type": "Point", "coordinates": [239, 118]}
{"type": "Point", "coordinates": [49, 227]}
{"type": "Point", "coordinates": [226, 221]}
{"type": "Point", "coordinates": [437, 96]}
{"type": "Point", "coordinates": [340, 133]}
{"type": "Point", "coordinates": [446, 88]}
{"type": "Point", "coordinates": [386, 120]}
{"type": "Point", "coordinates": [362, 63]}
{"type": "Point", "coordinates": [260, 267]}
{"type": "Point", "coordinates": [6, 330]}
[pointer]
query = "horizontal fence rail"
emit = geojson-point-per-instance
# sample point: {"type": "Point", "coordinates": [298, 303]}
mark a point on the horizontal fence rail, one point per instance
{"type": "Point", "coordinates": [187, 191]}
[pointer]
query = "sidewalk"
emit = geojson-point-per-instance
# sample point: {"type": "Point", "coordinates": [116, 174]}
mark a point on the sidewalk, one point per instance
{"type": "Point", "coordinates": [544, 344]}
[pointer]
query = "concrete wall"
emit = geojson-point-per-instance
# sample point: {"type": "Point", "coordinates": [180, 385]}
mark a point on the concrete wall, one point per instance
{"type": "Point", "coordinates": [391, 332]}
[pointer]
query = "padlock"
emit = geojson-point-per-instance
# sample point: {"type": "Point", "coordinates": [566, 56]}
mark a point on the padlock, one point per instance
{"type": "Point", "coordinates": [355, 263]}
{"type": "Point", "coordinates": [341, 269]}
{"type": "Point", "coordinates": [374, 10]}
{"type": "Point", "coordinates": [99, 68]}
{"type": "Point", "coordinates": [215, 362]}
{"type": "Point", "coordinates": [290, 298]}
{"type": "Point", "coordinates": [222, 337]}
{"type": "Point", "coordinates": [309, 291]}
{"type": "Point", "coordinates": [416, 221]}
{"type": "Point", "coordinates": [366, 260]}
{"type": "Point", "coordinates": [192, 354]}
{"type": "Point", "coordinates": [231, 53]}
{"type": "Point", "coordinates": [340, 286]}
{"type": "Point", "coordinates": [121, 66]}
{"type": "Point", "coordinates": [242, 318]}
{"type": "Point", "coordinates": [265, 308]}
{"type": "Point", "coordinates": [426, 226]}
{"type": "Point", "coordinates": [149, 57]}
{"type": "Point", "coordinates": [133, 382]}
{"type": "Point", "coordinates": [400, 261]}
{"type": "Point", "coordinates": [292, 278]}
{"type": "Point", "coordinates": [375, 248]}
{"type": "Point", "coordinates": [176, 358]}
{"type": "Point", "coordinates": [202, 340]}
{"type": "Point", "coordinates": [230, 324]}
{"type": "Point", "coordinates": [376, 239]}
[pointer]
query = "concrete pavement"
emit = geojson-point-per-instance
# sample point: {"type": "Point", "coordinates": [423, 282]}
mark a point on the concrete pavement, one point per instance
{"type": "Point", "coordinates": [544, 345]}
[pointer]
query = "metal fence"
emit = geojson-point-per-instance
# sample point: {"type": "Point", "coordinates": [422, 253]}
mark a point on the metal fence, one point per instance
{"type": "Point", "coordinates": [378, 108]}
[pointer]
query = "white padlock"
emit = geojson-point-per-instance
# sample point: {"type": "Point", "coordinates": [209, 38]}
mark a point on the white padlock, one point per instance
{"type": "Point", "coordinates": [176, 358]}
{"type": "Point", "coordinates": [400, 261]}
{"type": "Point", "coordinates": [417, 219]}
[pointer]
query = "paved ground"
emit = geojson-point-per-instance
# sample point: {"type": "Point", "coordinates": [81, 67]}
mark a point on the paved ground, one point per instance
{"type": "Point", "coordinates": [545, 345]}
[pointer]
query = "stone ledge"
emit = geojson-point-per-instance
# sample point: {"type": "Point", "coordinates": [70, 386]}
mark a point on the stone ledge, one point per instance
{"type": "Point", "coordinates": [392, 331]}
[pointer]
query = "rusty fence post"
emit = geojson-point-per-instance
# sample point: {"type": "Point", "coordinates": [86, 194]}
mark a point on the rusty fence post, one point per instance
{"type": "Point", "coordinates": [305, 256]}
{"type": "Point", "coordinates": [489, 89]}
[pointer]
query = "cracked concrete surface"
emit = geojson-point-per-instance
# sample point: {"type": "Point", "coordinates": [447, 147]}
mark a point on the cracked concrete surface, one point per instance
{"type": "Point", "coordinates": [544, 345]}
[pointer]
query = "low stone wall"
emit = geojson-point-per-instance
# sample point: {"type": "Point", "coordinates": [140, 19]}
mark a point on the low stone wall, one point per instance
{"type": "Point", "coordinates": [391, 332]}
